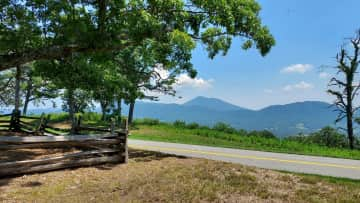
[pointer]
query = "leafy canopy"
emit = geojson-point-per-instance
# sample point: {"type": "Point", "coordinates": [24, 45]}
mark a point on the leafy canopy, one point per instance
{"type": "Point", "coordinates": [46, 29]}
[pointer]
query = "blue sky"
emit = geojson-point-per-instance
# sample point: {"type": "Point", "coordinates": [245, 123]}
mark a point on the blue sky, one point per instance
{"type": "Point", "coordinates": [308, 34]}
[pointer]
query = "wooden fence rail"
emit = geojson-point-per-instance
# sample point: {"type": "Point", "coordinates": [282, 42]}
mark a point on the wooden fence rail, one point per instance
{"type": "Point", "coordinates": [109, 147]}
{"type": "Point", "coordinates": [96, 149]}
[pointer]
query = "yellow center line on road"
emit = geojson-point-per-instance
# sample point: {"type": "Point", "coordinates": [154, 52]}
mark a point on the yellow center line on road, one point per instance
{"type": "Point", "coordinates": [243, 156]}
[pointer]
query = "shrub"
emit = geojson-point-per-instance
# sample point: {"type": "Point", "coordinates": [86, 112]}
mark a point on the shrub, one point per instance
{"type": "Point", "coordinates": [179, 124]}
{"type": "Point", "coordinates": [146, 121]}
{"type": "Point", "coordinates": [192, 125]}
{"type": "Point", "coordinates": [59, 117]}
{"type": "Point", "coordinates": [242, 132]}
{"type": "Point", "coordinates": [223, 127]}
{"type": "Point", "coordinates": [263, 133]}
{"type": "Point", "coordinates": [91, 116]}
{"type": "Point", "coordinates": [329, 137]}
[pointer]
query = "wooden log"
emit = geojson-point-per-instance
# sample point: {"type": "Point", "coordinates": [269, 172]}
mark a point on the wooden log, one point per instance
{"type": "Point", "coordinates": [30, 117]}
{"type": "Point", "coordinates": [59, 165]}
{"type": "Point", "coordinates": [26, 127]}
{"type": "Point", "coordinates": [39, 139]}
{"type": "Point", "coordinates": [4, 121]}
{"type": "Point", "coordinates": [57, 129]}
{"type": "Point", "coordinates": [61, 144]}
{"type": "Point", "coordinates": [51, 160]}
{"type": "Point", "coordinates": [5, 115]}
{"type": "Point", "coordinates": [124, 140]}
{"type": "Point", "coordinates": [53, 133]}
{"type": "Point", "coordinates": [94, 129]}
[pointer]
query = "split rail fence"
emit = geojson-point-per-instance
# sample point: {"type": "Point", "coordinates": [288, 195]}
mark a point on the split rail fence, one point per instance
{"type": "Point", "coordinates": [108, 147]}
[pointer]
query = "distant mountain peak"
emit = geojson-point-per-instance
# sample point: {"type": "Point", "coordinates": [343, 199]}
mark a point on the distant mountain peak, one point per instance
{"type": "Point", "coordinates": [213, 104]}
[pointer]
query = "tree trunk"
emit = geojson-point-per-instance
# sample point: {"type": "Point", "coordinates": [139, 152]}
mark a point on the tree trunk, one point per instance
{"type": "Point", "coordinates": [131, 112]}
{"type": "Point", "coordinates": [118, 110]}
{"type": "Point", "coordinates": [103, 106]}
{"type": "Point", "coordinates": [71, 105]}
{"type": "Point", "coordinates": [349, 113]}
{"type": "Point", "coordinates": [27, 96]}
{"type": "Point", "coordinates": [17, 88]}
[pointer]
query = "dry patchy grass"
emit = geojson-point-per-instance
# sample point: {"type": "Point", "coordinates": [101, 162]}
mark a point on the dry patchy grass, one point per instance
{"type": "Point", "coordinates": [155, 177]}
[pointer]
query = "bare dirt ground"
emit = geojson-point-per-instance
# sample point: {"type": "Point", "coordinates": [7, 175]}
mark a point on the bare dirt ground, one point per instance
{"type": "Point", "coordinates": [155, 177]}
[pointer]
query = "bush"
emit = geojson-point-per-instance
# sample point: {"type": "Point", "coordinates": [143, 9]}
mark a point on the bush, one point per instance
{"type": "Point", "coordinates": [146, 121]}
{"type": "Point", "coordinates": [329, 137]}
{"type": "Point", "coordinates": [192, 125]}
{"type": "Point", "coordinates": [59, 117]}
{"type": "Point", "coordinates": [91, 116]}
{"type": "Point", "coordinates": [263, 133]}
{"type": "Point", "coordinates": [223, 127]}
{"type": "Point", "coordinates": [179, 124]}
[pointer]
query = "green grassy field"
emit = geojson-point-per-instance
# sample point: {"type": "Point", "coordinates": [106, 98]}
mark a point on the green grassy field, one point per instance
{"type": "Point", "coordinates": [169, 133]}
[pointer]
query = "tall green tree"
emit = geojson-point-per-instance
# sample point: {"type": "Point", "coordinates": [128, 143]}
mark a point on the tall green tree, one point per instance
{"type": "Point", "coordinates": [76, 76]}
{"type": "Point", "coordinates": [36, 89]}
{"type": "Point", "coordinates": [7, 88]}
{"type": "Point", "coordinates": [345, 88]}
{"type": "Point", "coordinates": [45, 30]}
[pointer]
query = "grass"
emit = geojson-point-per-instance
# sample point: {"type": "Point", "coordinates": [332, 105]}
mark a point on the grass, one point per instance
{"type": "Point", "coordinates": [155, 177]}
{"type": "Point", "coordinates": [169, 133]}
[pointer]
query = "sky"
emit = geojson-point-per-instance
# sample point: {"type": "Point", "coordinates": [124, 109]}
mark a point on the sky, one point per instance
{"type": "Point", "coordinates": [308, 35]}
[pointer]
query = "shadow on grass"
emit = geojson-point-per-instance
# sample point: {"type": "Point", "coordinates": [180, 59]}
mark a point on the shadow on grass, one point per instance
{"type": "Point", "coordinates": [146, 156]}
{"type": "Point", "coordinates": [134, 155]}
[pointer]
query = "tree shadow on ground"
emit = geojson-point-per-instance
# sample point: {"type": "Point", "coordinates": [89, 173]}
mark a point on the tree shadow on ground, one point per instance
{"type": "Point", "coordinates": [18, 155]}
{"type": "Point", "coordinates": [146, 156]}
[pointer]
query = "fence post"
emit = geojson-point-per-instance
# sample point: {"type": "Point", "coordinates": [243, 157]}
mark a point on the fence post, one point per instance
{"type": "Point", "coordinates": [15, 121]}
{"type": "Point", "coordinates": [112, 127]}
{"type": "Point", "coordinates": [78, 124]}
{"type": "Point", "coordinates": [124, 149]}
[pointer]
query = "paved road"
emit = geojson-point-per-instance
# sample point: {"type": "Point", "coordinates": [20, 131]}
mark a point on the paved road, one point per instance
{"type": "Point", "coordinates": [286, 162]}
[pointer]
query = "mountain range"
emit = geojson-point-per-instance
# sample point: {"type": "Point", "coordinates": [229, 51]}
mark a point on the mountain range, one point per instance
{"type": "Point", "coordinates": [282, 120]}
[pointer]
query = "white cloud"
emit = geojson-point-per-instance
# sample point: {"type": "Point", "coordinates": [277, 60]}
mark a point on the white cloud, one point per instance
{"type": "Point", "coordinates": [297, 68]}
{"type": "Point", "coordinates": [299, 86]}
{"type": "Point", "coordinates": [324, 75]}
{"type": "Point", "coordinates": [183, 80]}
{"type": "Point", "coordinates": [163, 73]}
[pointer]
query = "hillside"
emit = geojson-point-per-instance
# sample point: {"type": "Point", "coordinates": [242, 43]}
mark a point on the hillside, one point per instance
{"type": "Point", "coordinates": [283, 120]}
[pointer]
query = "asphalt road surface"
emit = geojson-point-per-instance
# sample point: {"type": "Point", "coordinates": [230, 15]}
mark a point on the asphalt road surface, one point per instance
{"type": "Point", "coordinates": [286, 162]}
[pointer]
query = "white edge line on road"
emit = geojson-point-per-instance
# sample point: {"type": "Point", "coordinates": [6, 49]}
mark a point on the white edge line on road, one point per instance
{"type": "Point", "coordinates": [168, 149]}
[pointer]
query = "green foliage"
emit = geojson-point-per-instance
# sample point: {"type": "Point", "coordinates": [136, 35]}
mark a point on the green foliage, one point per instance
{"type": "Point", "coordinates": [327, 136]}
{"type": "Point", "coordinates": [80, 99]}
{"type": "Point", "coordinates": [223, 127]}
{"type": "Point", "coordinates": [192, 125]}
{"type": "Point", "coordinates": [59, 29]}
{"type": "Point", "coordinates": [146, 121]}
{"type": "Point", "coordinates": [263, 133]}
{"type": "Point", "coordinates": [179, 124]}
{"type": "Point", "coordinates": [7, 87]}
{"type": "Point", "coordinates": [91, 116]}
{"type": "Point", "coordinates": [59, 117]}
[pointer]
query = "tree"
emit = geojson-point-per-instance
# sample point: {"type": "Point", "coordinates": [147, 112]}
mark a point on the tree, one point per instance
{"type": "Point", "coordinates": [7, 88]}
{"type": "Point", "coordinates": [77, 76]}
{"type": "Point", "coordinates": [329, 137]}
{"type": "Point", "coordinates": [36, 89]}
{"type": "Point", "coordinates": [344, 87]}
{"type": "Point", "coordinates": [46, 30]}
